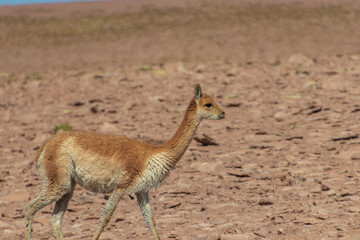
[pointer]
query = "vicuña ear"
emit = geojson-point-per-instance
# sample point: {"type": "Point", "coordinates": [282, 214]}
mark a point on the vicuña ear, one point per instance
{"type": "Point", "coordinates": [198, 93]}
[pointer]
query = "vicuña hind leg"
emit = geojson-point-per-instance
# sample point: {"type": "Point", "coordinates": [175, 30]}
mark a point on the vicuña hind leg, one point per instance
{"type": "Point", "coordinates": [48, 195]}
{"type": "Point", "coordinates": [59, 211]}
{"type": "Point", "coordinates": [143, 200]}
{"type": "Point", "coordinates": [108, 211]}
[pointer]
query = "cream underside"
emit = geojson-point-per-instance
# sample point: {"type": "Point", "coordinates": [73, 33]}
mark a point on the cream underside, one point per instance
{"type": "Point", "coordinates": [98, 177]}
{"type": "Point", "coordinates": [99, 174]}
{"type": "Point", "coordinates": [94, 172]}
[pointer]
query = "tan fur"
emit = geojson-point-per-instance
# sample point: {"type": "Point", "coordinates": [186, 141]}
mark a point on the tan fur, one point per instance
{"type": "Point", "coordinates": [112, 164]}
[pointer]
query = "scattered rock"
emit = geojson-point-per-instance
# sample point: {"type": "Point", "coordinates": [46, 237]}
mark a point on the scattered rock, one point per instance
{"type": "Point", "coordinates": [345, 136]}
{"type": "Point", "coordinates": [353, 209]}
{"type": "Point", "coordinates": [98, 76]}
{"type": "Point", "coordinates": [172, 235]}
{"type": "Point", "coordinates": [331, 73]}
{"type": "Point", "coordinates": [316, 189]}
{"type": "Point", "coordinates": [314, 109]}
{"type": "Point", "coordinates": [355, 110]}
{"type": "Point", "coordinates": [259, 234]}
{"type": "Point", "coordinates": [174, 205]}
{"type": "Point", "coordinates": [206, 140]}
{"type": "Point", "coordinates": [354, 57]}
{"type": "Point", "coordinates": [355, 156]}
{"type": "Point", "coordinates": [275, 62]}
{"type": "Point", "coordinates": [95, 100]}
{"type": "Point", "coordinates": [280, 116]}
{"type": "Point", "coordinates": [94, 109]}
{"type": "Point", "coordinates": [331, 193]}
{"type": "Point", "coordinates": [200, 68]}
{"type": "Point", "coordinates": [68, 234]}
{"type": "Point", "coordinates": [300, 60]}
{"type": "Point", "coordinates": [233, 105]}
{"type": "Point", "coordinates": [324, 187]}
{"type": "Point", "coordinates": [307, 221]}
{"type": "Point", "coordinates": [294, 137]}
{"type": "Point", "coordinates": [265, 202]}
{"type": "Point", "coordinates": [231, 72]}
{"type": "Point", "coordinates": [76, 104]}
{"type": "Point", "coordinates": [321, 214]}
{"type": "Point", "coordinates": [238, 174]}
{"type": "Point", "coordinates": [299, 178]}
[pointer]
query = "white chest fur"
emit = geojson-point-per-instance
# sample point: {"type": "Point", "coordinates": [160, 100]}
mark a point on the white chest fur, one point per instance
{"type": "Point", "coordinates": [157, 169]}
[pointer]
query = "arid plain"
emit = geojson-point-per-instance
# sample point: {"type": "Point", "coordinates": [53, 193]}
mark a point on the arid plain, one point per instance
{"type": "Point", "coordinates": [287, 74]}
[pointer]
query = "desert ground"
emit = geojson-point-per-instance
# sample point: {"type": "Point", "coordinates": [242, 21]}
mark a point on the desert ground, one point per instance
{"type": "Point", "coordinates": [287, 74]}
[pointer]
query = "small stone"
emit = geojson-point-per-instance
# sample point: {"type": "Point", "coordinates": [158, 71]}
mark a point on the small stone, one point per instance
{"type": "Point", "coordinates": [264, 202]}
{"type": "Point", "coordinates": [354, 57]}
{"type": "Point", "coordinates": [231, 72]}
{"type": "Point", "coordinates": [94, 109]}
{"type": "Point", "coordinates": [280, 116]}
{"type": "Point", "coordinates": [344, 136]}
{"type": "Point", "coordinates": [353, 209]}
{"type": "Point", "coordinates": [274, 62]}
{"type": "Point", "coordinates": [299, 178]}
{"type": "Point", "coordinates": [331, 193]}
{"type": "Point", "coordinates": [355, 157]}
{"type": "Point", "coordinates": [316, 189]}
{"type": "Point", "coordinates": [321, 214]}
{"type": "Point", "coordinates": [280, 231]}
{"type": "Point", "coordinates": [300, 60]}
{"type": "Point", "coordinates": [200, 68]}
{"type": "Point", "coordinates": [324, 187]}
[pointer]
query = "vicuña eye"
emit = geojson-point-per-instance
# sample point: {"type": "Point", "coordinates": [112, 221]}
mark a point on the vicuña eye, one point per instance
{"type": "Point", "coordinates": [208, 105]}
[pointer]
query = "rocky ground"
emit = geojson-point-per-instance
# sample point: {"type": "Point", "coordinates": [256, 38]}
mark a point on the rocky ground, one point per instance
{"type": "Point", "coordinates": [287, 161]}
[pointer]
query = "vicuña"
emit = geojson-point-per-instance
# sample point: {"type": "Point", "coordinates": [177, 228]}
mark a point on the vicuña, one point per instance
{"type": "Point", "coordinates": [111, 164]}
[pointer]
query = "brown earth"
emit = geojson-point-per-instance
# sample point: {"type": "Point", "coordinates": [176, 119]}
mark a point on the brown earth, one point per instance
{"type": "Point", "coordinates": [287, 75]}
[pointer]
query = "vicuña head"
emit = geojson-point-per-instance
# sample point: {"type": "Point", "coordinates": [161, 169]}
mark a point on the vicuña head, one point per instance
{"type": "Point", "coordinates": [112, 164]}
{"type": "Point", "coordinates": [206, 106]}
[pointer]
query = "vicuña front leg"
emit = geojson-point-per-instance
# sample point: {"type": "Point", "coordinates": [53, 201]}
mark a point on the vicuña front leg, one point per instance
{"type": "Point", "coordinates": [108, 211]}
{"type": "Point", "coordinates": [143, 200]}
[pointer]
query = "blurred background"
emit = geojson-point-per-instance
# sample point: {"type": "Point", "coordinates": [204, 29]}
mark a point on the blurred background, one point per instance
{"type": "Point", "coordinates": [113, 34]}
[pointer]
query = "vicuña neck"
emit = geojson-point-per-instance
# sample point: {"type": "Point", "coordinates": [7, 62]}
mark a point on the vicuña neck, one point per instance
{"type": "Point", "coordinates": [173, 149]}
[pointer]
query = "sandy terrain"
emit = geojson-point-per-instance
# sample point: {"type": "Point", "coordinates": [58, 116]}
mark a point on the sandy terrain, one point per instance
{"type": "Point", "coordinates": [287, 75]}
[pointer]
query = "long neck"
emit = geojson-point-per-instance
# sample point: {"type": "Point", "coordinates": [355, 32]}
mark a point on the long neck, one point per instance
{"type": "Point", "coordinates": [173, 149]}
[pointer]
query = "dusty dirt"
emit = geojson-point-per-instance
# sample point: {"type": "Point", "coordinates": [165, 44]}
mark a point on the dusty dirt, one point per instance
{"type": "Point", "coordinates": [287, 164]}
